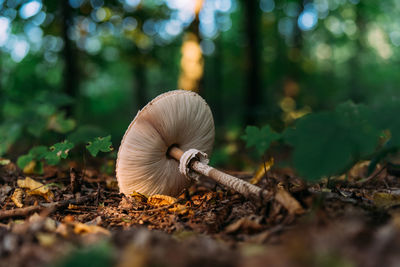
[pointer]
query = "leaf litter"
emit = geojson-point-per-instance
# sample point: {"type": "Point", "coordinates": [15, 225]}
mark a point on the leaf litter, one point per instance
{"type": "Point", "coordinates": [68, 215]}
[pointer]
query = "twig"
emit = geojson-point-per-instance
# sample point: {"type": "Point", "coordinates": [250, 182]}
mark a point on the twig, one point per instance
{"type": "Point", "coordinates": [51, 207]}
{"type": "Point", "coordinates": [19, 212]}
{"type": "Point", "coordinates": [157, 209]}
{"type": "Point", "coordinates": [372, 176]}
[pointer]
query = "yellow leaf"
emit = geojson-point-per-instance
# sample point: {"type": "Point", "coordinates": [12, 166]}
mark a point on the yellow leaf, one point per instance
{"type": "Point", "coordinates": [46, 239]}
{"type": "Point", "coordinates": [17, 197]}
{"type": "Point", "coordinates": [30, 168]}
{"type": "Point", "coordinates": [161, 200]}
{"type": "Point", "coordinates": [261, 171]}
{"type": "Point", "coordinates": [35, 188]}
{"type": "Point", "coordinates": [81, 228]}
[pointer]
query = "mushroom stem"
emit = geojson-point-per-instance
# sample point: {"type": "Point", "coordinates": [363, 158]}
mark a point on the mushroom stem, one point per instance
{"type": "Point", "coordinates": [246, 189]}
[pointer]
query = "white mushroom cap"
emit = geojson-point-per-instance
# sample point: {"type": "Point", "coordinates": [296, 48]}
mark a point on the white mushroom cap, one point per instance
{"type": "Point", "coordinates": [180, 118]}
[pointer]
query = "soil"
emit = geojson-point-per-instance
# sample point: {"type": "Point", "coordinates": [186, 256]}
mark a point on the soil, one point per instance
{"type": "Point", "coordinates": [81, 219]}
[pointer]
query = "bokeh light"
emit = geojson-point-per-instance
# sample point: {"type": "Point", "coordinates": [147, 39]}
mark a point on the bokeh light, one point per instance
{"type": "Point", "coordinates": [308, 18]}
{"type": "Point", "coordinates": [30, 9]}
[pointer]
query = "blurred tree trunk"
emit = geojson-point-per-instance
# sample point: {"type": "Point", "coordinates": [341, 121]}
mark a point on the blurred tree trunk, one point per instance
{"type": "Point", "coordinates": [71, 72]}
{"type": "Point", "coordinates": [140, 81]}
{"type": "Point", "coordinates": [218, 85]}
{"type": "Point", "coordinates": [192, 61]}
{"type": "Point", "coordinates": [252, 16]}
{"type": "Point", "coordinates": [356, 93]}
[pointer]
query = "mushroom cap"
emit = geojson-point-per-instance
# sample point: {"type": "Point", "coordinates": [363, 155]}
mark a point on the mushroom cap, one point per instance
{"type": "Point", "coordinates": [180, 118]}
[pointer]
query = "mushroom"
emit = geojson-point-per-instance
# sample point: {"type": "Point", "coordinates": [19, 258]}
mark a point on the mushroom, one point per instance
{"type": "Point", "coordinates": [165, 148]}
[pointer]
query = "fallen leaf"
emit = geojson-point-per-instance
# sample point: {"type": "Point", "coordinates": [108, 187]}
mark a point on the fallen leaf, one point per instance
{"type": "Point", "coordinates": [262, 170]}
{"type": "Point", "coordinates": [290, 203]}
{"type": "Point", "coordinates": [180, 209]}
{"type": "Point", "coordinates": [250, 224]}
{"type": "Point", "coordinates": [47, 223]}
{"type": "Point", "coordinates": [30, 167]}
{"type": "Point", "coordinates": [69, 219]}
{"type": "Point", "coordinates": [161, 200]}
{"type": "Point", "coordinates": [62, 229]}
{"type": "Point", "coordinates": [46, 239]}
{"type": "Point", "coordinates": [4, 161]}
{"type": "Point", "coordinates": [73, 207]}
{"type": "Point", "coordinates": [359, 170]}
{"type": "Point", "coordinates": [386, 200]}
{"type": "Point", "coordinates": [36, 188]}
{"type": "Point", "coordinates": [81, 228]}
{"type": "Point", "coordinates": [139, 197]}
{"type": "Point", "coordinates": [17, 197]}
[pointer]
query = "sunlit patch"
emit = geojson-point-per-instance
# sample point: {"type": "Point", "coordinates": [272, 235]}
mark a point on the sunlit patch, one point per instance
{"type": "Point", "coordinates": [192, 64]}
{"type": "Point", "coordinates": [4, 30]}
{"type": "Point", "coordinates": [378, 40]}
{"type": "Point", "coordinates": [132, 3]}
{"type": "Point", "coordinates": [30, 9]}
{"type": "Point", "coordinates": [20, 50]}
{"type": "Point", "coordinates": [323, 51]}
{"type": "Point", "coordinates": [308, 18]}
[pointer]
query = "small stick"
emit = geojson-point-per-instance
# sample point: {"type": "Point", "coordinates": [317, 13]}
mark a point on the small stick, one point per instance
{"type": "Point", "coordinates": [246, 189]}
{"type": "Point", "coordinates": [21, 212]}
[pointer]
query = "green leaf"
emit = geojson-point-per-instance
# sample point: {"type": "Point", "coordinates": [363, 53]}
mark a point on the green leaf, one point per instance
{"type": "Point", "coordinates": [261, 139]}
{"type": "Point", "coordinates": [36, 153]}
{"type": "Point", "coordinates": [102, 144]}
{"type": "Point", "coordinates": [39, 152]}
{"type": "Point", "coordinates": [58, 151]}
{"type": "Point", "coordinates": [100, 255]}
{"type": "Point", "coordinates": [328, 143]}
{"type": "Point", "coordinates": [385, 117]}
{"type": "Point", "coordinates": [60, 124]}
{"type": "Point", "coordinates": [24, 160]}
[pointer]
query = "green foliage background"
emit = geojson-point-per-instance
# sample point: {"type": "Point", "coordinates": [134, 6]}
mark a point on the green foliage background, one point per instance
{"type": "Point", "coordinates": [83, 69]}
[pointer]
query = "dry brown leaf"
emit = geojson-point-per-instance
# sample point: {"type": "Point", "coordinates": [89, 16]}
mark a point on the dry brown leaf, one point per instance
{"type": "Point", "coordinates": [161, 200]}
{"type": "Point", "coordinates": [35, 188]}
{"type": "Point", "coordinates": [290, 203]}
{"type": "Point", "coordinates": [17, 197]}
{"type": "Point", "coordinates": [62, 229]}
{"type": "Point", "coordinates": [359, 170]}
{"type": "Point", "coordinates": [139, 197]}
{"type": "Point", "coordinates": [261, 171]}
{"type": "Point", "coordinates": [81, 228]}
{"type": "Point", "coordinates": [247, 224]}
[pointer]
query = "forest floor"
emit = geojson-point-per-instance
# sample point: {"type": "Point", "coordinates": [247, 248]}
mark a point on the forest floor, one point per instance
{"type": "Point", "coordinates": [80, 219]}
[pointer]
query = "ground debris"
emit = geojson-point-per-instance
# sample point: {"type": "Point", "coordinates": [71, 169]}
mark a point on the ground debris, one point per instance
{"type": "Point", "coordinates": [337, 222]}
